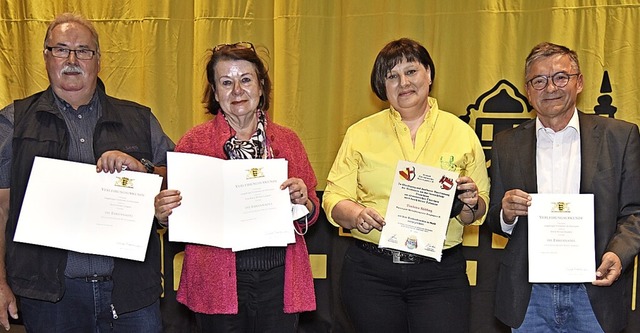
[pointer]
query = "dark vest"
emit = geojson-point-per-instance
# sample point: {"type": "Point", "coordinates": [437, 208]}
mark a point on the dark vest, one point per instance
{"type": "Point", "coordinates": [39, 130]}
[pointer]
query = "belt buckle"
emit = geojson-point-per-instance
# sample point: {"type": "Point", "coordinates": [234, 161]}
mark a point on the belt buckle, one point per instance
{"type": "Point", "coordinates": [398, 260]}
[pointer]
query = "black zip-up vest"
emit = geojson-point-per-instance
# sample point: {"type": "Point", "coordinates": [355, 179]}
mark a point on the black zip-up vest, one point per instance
{"type": "Point", "coordinates": [39, 130]}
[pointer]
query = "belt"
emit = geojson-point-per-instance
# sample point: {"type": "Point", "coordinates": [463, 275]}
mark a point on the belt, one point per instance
{"type": "Point", "coordinates": [96, 278]}
{"type": "Point", "coordinates": [398, 257]}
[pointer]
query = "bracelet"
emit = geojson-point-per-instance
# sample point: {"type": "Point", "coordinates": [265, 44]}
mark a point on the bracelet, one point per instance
{"type": "Point", "coordinates": [473, 210]}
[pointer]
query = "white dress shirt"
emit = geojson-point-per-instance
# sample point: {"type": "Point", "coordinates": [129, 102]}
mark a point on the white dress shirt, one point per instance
{"type": "Point", "coordinates": [557, 161]}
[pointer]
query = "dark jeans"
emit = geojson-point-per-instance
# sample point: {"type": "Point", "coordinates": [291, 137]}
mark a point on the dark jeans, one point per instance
{"type": "Point", "coordinates": [86, 308]}
{"type": "Point", "coordinates": [380, 296]}
{"type": "Point", "coordinates": [260, 306]}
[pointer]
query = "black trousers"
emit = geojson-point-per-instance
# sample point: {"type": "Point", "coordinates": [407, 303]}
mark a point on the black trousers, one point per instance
{"type": "Point", "coordinates": [380, 296]}
{"type": "Point", "coordinates": [260, 306]}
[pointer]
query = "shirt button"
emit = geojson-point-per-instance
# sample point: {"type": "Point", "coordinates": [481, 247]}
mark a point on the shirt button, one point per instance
{"type": "Point", "coordinates": [79, 116]}
{"type": "Point", "coordinates": [82, 140]}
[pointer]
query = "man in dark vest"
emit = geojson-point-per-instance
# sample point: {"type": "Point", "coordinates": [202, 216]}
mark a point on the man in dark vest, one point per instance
{"type": "Point", "coordinates": [75, 120]}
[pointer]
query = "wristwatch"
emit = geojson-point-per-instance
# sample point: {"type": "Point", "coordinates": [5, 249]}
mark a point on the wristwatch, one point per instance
{"type": "Point", "coordinates": [148, 165]}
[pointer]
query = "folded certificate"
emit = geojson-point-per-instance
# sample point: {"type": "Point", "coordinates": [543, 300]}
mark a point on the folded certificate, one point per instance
{"type": "Point", "coordinates": [236, 204]}
{"type": "Point", "coordinates": [418, 212]}
{"type": "Point", "coordinates": [70, 206]}
{"type": "Point", "coordinates": [561, 238]}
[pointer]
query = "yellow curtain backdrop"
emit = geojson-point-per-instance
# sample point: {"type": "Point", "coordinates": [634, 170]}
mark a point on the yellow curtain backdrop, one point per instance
{"type": "Point", "coordinates": [320, 53]}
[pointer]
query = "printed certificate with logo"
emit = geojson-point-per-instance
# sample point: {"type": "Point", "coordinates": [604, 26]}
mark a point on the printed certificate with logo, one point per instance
{"type": "Point", "coordinates": [236, 204]}
{"type": "Point", "coordinates": [561, 238]}
{"type": "Point", "coordinates": [418, 212]}
{"type": "Point", "coordinates": [68, 205]}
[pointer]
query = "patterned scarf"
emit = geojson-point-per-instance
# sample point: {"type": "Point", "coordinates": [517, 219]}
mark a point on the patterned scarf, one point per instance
{"type": "Point", "coordinates": [256, 147]}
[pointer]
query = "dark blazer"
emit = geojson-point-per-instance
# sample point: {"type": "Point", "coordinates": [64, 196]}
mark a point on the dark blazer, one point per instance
{"type": "Point", "coordinates": [610, 151]}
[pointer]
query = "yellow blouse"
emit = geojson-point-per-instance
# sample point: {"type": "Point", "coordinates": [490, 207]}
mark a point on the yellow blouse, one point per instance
{"type": "Point", "coordinates": [364, 168]}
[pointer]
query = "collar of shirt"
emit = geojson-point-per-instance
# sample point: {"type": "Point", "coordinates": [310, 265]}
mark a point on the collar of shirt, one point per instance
{"type": "Point", "coordinates": [64, 106]}
{"type": "Point", "coordinates": [574, 123]}
{"type": "Point", "coordinates": [429, 118]}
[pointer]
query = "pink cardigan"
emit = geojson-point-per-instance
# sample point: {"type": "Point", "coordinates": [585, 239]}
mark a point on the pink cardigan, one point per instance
{"type": "Point", "coordinates": [208, 280]}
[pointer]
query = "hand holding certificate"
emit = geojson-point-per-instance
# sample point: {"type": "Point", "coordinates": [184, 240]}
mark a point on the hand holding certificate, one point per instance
{"type": "Point", "coordinates": [236, 204]}
{"type": "Point", "coordinates": [561, 238]}
{"type": "Point", "coordinates": [68, 205]}
{"type": "Point", "coordinates": [418, 211]}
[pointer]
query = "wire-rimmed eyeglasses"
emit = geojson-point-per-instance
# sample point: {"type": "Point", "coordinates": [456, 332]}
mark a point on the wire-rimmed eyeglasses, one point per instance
{"type": "Point", "coordinates": [63, 52]}
{"type": "Point", "coordinates": [560, 80]}
{"type": "Point", "coordinates": [238, 45]}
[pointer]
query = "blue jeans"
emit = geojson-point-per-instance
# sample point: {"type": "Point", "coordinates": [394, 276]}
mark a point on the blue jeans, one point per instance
{"type": "Point", "coordinates": [381, 297]}
{"type": "Point", "coordinates": [86, 308]}
{"type": "Point", "coordinates": [559, 308]}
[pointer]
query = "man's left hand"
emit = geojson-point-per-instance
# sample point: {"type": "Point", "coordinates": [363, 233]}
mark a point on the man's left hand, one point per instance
{"type": "Point", "coordinates": [609, 271]}
{"type": "Point", "coordinates": [114, 160]}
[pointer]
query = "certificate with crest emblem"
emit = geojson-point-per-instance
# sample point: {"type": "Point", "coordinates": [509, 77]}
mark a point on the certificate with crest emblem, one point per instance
{"type": "Point", "coordinates": [68, 205]}
{"type": "Point", "coordinates": [561, 238]}
{"type": "Point", "coordinates": [418, 211]}
{"type": "Point", "coordinates": [236, 204]}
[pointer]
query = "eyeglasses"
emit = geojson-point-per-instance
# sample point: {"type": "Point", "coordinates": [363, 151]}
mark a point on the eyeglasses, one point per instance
{"type": "Point", "coordinates": [238, 45]}
{"type": "Point", "coordinates": [63, 52]}
{"type": "Point", "coordinates": [560, 80]}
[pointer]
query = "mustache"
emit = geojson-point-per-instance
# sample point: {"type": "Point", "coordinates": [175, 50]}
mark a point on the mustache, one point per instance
{"type": "Point", "coordinates": [71, 69]}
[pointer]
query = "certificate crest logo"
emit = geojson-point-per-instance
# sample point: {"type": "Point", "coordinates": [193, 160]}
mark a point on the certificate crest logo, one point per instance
{"type": "Point", "coordinates": [446, 183]}
{"type": "Point", "coordinates": [255, 173]}
{"type": "Point", "coordinates": [561, 207]}
{"type": "Point", "coordinates": [411, 242]}
{"type": "Point", "coordinates": [124, 182]}
{"type": "Point", "coordinates": [409, 173]}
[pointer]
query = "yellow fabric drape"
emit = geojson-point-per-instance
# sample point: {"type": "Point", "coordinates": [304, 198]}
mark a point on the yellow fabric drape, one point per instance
{"type": "Point", "coordinates": [320, 53]}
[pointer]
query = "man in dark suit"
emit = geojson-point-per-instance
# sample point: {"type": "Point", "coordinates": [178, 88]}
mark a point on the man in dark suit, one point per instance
{"type": "Point", "coordinates": [565, 151]}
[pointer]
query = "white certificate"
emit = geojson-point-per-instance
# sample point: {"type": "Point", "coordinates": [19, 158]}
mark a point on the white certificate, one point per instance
{"type": "Point", "coordinates": [419, 208]}
{"type": "Point", "coordinates": [236, 204]}
{"type": "Point", "coordinates": [561, 238]}
{"type": "Point", "coordinates": [68, 205]}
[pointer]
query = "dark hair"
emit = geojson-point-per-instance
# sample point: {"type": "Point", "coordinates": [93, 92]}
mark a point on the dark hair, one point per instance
{"type": "Point", "coordinates": [392, 54]}
{"type": "Point", "coordinates": [235, 52]}
{"type": "Point", "coordinates": [545, 50]}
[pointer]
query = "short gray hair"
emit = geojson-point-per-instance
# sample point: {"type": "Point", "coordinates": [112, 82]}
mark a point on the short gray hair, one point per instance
{"type": "Point", "coordinates": [75, 18]}
{"type": "Point", "coordinates": [545, 50]}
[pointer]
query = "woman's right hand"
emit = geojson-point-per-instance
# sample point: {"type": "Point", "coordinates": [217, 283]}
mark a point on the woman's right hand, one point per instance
{"type": "Point", "coordinates": [368, 219]}
{"type": "Point", "coordinates": [164, 204]}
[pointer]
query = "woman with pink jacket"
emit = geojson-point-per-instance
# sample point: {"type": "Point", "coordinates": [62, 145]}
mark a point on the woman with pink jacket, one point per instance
{"type": "Point", "coordinates": [260, 289]}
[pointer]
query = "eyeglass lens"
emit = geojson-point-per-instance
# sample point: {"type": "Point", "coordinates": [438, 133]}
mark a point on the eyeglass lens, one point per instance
{"type": "Point", "coordinates": [245, 45]}
{"type": "Point", "coordinates": [61, 52]}
{"type": "Point", "coordinates": [559, 80]}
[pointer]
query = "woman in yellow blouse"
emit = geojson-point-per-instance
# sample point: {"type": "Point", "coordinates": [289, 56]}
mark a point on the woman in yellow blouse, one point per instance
{"type": "Point", "coordinates": [418, 295]}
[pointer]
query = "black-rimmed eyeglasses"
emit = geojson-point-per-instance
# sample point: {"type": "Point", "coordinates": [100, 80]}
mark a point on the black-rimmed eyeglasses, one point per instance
{"type": "Point", "coordinates": [63, 52]}
{"type": "Point", "coordinates": [560, 80]}
{"type": "Point", "coordinates": [238, 45]}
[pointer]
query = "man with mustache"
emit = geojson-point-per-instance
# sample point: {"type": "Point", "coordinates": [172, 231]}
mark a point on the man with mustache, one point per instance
{"type": "Point", "coordinates": [565, 151]}
{"type": "Point", "coordinates": [75, 120]}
